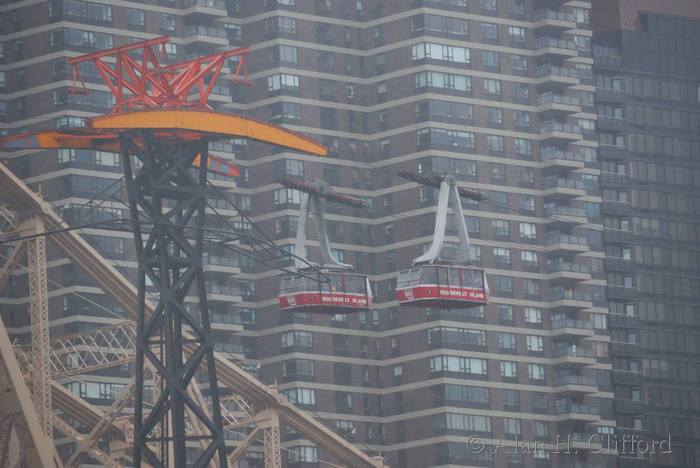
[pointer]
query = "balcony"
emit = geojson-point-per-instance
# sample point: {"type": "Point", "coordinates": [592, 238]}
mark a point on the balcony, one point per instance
{"type": "Point", "coordinates": [625, 404]}
{"type": "Point", "coordinates": [201, 10]}
{"type": "Point", "coordinates": [606, 60]}
{"type": "Point", "coordinates": [553, 130]}
{"type": "Point", "coordinates": [572, 351]}
{"type": "Point", "coordinates": [623, 320]}
{"type": "Point", "coordinates": [609, 95]}
{"type": "Point", "coordinates": [576, 412]}
{"type": "Point", "coordinates": [568, 272]}
{"type": "Point", "coordinates": [205, 35]}
{"type": "Point", "coordinates": [621, 376]}
{"type": "Point", "coordinates": [559, 105]}
{"type": "Point", "coordinates": [619, 264]}
{"type": "Point", "coordinates": [564, 215]}
{"type": "Point", "coordinates": [562, 188]}
{"type": "Point", "coordinates": [553, 21]}
{"type": "Point", "coordinates": [566, 298]}
{"type": "Point", "coordinates": [618, 235]}
{"type": "Point", "coordinates": [550, 75]}
{"type": "Point", "coordinates": [575, 384]}
{"type": "Point", "coordinates": [626, 348]}
{"type": "Point", "coordinates": [558, 242]}
{"type": "Point", "coordinates": [616, 207]}
{"type": "Point", "coordinates": [561, 161]}
{"type": "Point", "coordinates": [611, 123]}
{"type": "Point", "coordinates": [614, 180]}
{"type": "Point", "coordinates": [563, 323]}
{"type": "Point", "coordinates": [554, 48]}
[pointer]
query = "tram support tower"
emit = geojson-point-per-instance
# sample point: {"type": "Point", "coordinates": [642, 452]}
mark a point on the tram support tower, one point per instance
{"type": "Point", "coordinates": [161, 132]}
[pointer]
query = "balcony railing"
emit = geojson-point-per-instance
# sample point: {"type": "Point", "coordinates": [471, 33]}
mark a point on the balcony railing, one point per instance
{"type": "Point", "coordinates": [561, 182]}
{"type": "Point", "coordinates": [548, 154]}
{"type": "Point", "coordinates": [545, 14]}
{"type": "Point", "coordinates": [198, 30]}
{"type": "Point", "coordinates": [544, 42]}
{"type": "Point", "coordinates": [552, 209]}
{"type": "Point", "coordinates": [558, 324]}
{"type": "Point", "coordinates": [574, 380]}
{"type": "Point", "coordinates": [551, 98]}
{"type": "Point", "coordinates": [549, 69]}
{"type": "Point", "coordinates": [565, 294]}
{"type": "Point", "coordinates": [554, 126]}
{"type": "Point", "coordinates": [577, 409]}
{"type": "Point", "coordinates": [556, 267]}
{"type": "Point", "coordinates": [572, 351]}
{"type": "Point", "coordinates": [555, 237]}
{"type": "Point", "coordinates": [218, 4]}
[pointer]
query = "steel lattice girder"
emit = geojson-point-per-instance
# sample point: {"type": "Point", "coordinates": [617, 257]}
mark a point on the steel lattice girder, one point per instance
{"type": "Point", "coordinates": [169, 254]}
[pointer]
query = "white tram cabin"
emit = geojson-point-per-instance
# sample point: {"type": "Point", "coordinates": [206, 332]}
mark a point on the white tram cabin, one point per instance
{"type": "Point", "coordinates": [442, 287]}
{"type": "Point", "coordinates": [344, 293]}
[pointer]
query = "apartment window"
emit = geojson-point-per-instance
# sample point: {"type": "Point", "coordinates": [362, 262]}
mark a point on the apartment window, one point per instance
{"type": "Point", "coordinates": [534, 343]}
{"type": "Point", "coordinates": [297, 338]}
{"type": "Point", "coordinates": [516, 7]}
{"type": "Point", "coordinates": [298, 368]}
{"type": "Point", "coordinates": [511, 399]}
{"type": "Point", "coordinates": [518, 64]}
{"type": "Point", "coordinates": [516, 35]}
{"type": "Point", "coordinates": [506, 341]}
{"type": "Point", "coordinates": [509, 370]}
{"type": "Point", "coordinates": [521, 118]}
{"type": "Point", "coordinates": [501, 257]}
{"type": "Point", "coordinates": [324, 33]}
{"type": "Point", "coordinates": [491, 60]}
{"type": "Point", "coordinates": [285, 196]}
{"type": "Point", "coordinates": [440, 25]}
{"type": "Point", "coordinates": [526, 176]}
{"type": "Point", "coordinates": [503, 286]}
{"type": "Point", "coordinates": [531, 288]}
{"type": "Point", "coordinates": [539, 402]}
{"type": "Point", "coordinates": [505, 315]}
{"type": "Point", "coordinates": [281, 111]}
{"type": "Point", "coordinates": [495, 144]}
{"type": "Point", "coordinates": [526, 203]}
{"type": "Point", "coordinates": [523, 147]}
{"type": "Point", "coordinates": [540, 429]}
{"type": "Point", "coordinates": [521, 93]}
{"type": "Point", "coordinates": [582, 15]}
{"type": "Point", "coordinates": [535, 372]}
{"type": "Point", "coordinates": [166, 22]}
{"type": "Point", "coordinates": [282, 81]}
{"type": "Point", "coordinates": [453, 139]}
{"type": "Point", "coordinates": [441, 52]}
{"type": "Point", "coordinates": [494, 117]}
{"type": "Point", "coordinates": [497, 173]}
{"type": "Point", "coordinates": [446, 81]}
{"type": "Point", "coordinates": [326, 61]}
{"type": "Point", "coordinates": [135, 18]}
{"type": "Point", "coordinates": [500, 229]}
{"type": "Point", "coordinates": [458, 364]}
{"type": "Point", "coordinates": [492, 88]}
{"type": "Point", "coordinates": [489, 33]}
{"type": "Point", "coordinates": [461, 422]}
{"type": "Point", "coordinates": [488, 6]}
{"type": "Point", "coordinates": [302, 397]}
{"type": "Point", "coordinates": [528, 231]}
{"type": "Point", "coordinates": [511, 426]}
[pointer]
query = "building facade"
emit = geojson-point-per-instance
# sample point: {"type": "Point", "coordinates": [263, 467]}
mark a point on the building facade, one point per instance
{"type": "Point", "coordinates": [499, 93]}
{"type": "Point", "coordinates": [648, 76]}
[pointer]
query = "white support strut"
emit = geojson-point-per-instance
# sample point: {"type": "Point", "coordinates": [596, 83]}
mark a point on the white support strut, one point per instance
{"type": "Point", "coordinates": [312, 202]}
{"type": "Point", "coordinates": [449, 195]}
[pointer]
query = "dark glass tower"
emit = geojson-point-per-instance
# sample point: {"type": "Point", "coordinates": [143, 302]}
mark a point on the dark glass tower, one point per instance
{"type": "Point", "coordinates": [647, 64]}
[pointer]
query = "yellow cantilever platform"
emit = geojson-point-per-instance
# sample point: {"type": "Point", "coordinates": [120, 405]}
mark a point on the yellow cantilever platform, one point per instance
{"type": "Point", "coordinates": [102, 132]}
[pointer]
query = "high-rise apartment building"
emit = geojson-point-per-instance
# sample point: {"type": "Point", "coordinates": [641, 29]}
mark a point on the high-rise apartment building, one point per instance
{"type": "Point", "coordinates": [499, 93]}
{"type": "Point", "coordinates": [648, 83]}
